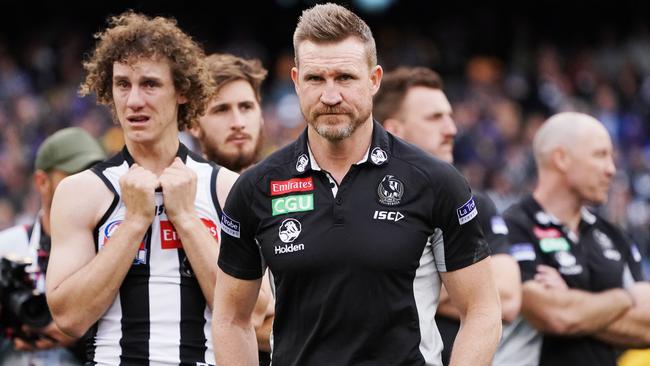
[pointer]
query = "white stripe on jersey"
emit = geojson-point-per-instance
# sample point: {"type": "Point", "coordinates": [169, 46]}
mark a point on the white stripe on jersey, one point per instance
{"type": "Point", "coordinates": [438, 245]}
{"type": "Point", "coordinates": [164, 309]}
{"type": "Point", "coordinates": [426, 290]}
{"type": "Point", "coordinates": [109, 333]}
{"type": "Point", "coordinates": [209, 352]}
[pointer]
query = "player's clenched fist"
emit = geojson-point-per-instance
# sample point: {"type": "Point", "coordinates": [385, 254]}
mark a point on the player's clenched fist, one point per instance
{"type": "Point", "coordinates": [178, 184]}
{"type": "Point", "coordinates": [138, 188]}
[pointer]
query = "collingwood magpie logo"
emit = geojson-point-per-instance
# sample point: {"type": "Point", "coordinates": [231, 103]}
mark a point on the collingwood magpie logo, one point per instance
{"type": "Point", "coordinates": [390, 191]}
{"type": "Point", "coordinates": [302, 162]}
{"type": "Point", "coordinates": [378, 156]}
{"type": "Point", "coordinates": [289, 230]}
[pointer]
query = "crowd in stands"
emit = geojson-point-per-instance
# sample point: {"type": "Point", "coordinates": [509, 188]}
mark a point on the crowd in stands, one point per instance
{"type": "Point", "coordinates": [498, 102]}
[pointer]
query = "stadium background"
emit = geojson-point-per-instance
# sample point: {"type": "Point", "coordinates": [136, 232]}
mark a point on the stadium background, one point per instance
{"type": "Point", "coordinates": [506, 68]}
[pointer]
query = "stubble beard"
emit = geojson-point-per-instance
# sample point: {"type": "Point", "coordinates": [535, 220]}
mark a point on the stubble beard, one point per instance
{"type": "Point", "coordinates": [337, 134]}
{"type": "Point", "coordinates": [237, 161]}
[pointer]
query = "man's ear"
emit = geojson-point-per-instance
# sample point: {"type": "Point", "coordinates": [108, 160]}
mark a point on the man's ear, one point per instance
{"type": "Point", "coordinates": [561, 159]}
{"type": "Point", "coordinates": [42, 182]}
{"type": "Point", "coordinates": [375, 78]}
{"type": "Point", "coordinates": [394, 126]}
{"type": "Point", "coordinates": [294, 78]}
{"type": "Point", "coordinates": [181, 99]}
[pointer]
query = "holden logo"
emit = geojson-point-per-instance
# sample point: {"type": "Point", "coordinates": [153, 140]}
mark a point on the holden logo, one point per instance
{"type": "Point", "coordinates": [390, 191]}
{"type": "Point", "coordinates": [302, 162]}
{"type": "Point", "coordinates": [378, 156]}
{"type": "Point", "coordinates": [289, 230]}
{"type": "Point", "coordinates": [565, 259]}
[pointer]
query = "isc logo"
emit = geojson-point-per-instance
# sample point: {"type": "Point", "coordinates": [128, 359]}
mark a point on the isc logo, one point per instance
{"type": "Point", "coordinates": [388, 215]}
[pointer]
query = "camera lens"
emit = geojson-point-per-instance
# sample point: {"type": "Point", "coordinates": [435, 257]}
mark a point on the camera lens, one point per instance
{"type": "Point", "coordinates": [30, 309]}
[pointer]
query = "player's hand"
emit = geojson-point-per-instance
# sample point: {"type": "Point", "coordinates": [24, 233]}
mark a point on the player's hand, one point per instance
{"type": "Point", "coordinates": [550, 278]}
{"type": "Point", "coordinates": [138, 188]}
{"type": "Point", "coordinates": [178, 184]}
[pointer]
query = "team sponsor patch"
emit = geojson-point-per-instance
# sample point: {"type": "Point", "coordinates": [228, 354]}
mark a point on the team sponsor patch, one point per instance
{"type": "Point", "coordinates": [169, 239]}
{"type": "Point", "coordinates": [467, 211]}
{"type": "Point", "coordinates": [390, 191]}
{"type": "Point", "coordinates": [388, 215]}
{"type": "Point", "coordinates": [292, 185]}
{"type": "Point", "coordinates": [522, 252]}
{"type": "Point", "coordinates": [294, 203]}
{"type": "Point", "coordinates": [110, 228]}
{"type": "Point", "coordinates": [568, 263]}
{"type": "Point", "coordinates": [378, 156]}
{"type": "Point", "coordinates": [288, 248]}
{"type": "Point", "coordinates": [498, 225]}
{"type": "Point", "coordinates": [550, 232]}
{"type": "Point", "coordinates": [230, 226]}
{"type": "Point", "coordinates": [301, 164]}
{"type": "Point", "coordinates": [212, 227]}
{"type": "Point", "coordinates": [548, 245]}
{"type": "Point", "coordinates": [289, 230]}
{"type": "Point", "coordinates": [140, 256]}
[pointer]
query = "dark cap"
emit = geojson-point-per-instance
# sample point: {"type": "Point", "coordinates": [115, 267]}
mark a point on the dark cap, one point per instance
{"type": "Point", "coordinates": [70, 150]}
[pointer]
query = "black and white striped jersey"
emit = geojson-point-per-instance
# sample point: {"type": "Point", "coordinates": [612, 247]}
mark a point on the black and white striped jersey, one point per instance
{"type": "Point", "coordinates": [159, 316]}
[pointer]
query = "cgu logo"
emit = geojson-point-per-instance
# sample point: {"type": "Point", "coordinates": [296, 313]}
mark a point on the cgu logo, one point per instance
{"type": "Point", "coordinates": [296, 203]}
{"type": "Point", "coordinates": [388, 215]}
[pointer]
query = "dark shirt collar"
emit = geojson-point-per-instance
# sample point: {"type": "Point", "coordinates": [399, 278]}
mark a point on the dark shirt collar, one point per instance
{"type": "Point", "coordinates": [543, 218]}
{"type": "Point", "coordinates": [378, 153]}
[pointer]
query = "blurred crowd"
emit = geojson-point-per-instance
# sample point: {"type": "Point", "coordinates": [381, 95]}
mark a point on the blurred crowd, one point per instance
{"type": "Point", "coordinates": [498, 102]}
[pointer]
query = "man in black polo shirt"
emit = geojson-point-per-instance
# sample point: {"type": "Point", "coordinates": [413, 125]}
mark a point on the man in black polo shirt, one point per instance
{"type": "Point", "coordinates": [582, 295]}
{"type": "Point", "coordinates": [412, 105]}
{"type": "Point", "coordinates": [357, 227]}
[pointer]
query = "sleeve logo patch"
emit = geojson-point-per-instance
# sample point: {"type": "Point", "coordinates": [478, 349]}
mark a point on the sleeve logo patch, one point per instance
{"type": "Point", "coordinates": [467, 211]}
{"type": "Point", "coordinates": [522, 252]}
{"type": "Point", "coordinates": [230, 226]}
{"type": "Point", "coordinates": [291, 185]}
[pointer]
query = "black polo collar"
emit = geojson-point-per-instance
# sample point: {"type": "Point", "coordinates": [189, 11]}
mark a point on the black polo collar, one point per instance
{"type": "Point", "coordinates": [378, 153]}
{"type": "Point", "coordinates": [542, 218]}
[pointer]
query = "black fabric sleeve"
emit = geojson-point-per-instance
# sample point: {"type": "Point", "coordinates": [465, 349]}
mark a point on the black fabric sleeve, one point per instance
{"type": "Point", "coordinates": [454, 213]}
{"type": "Point", "coordinates": [239, 255]}
{"type": "Point", "coordinates": [523, 247]}
{"type": "Point", "coordinates": [492, 224]}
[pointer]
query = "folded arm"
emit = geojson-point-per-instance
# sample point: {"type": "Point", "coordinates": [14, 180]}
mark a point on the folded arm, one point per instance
{"type": "Point", "coordinates": [571, 311]}
{"type": "Point", "coordinates": [633, 328]}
